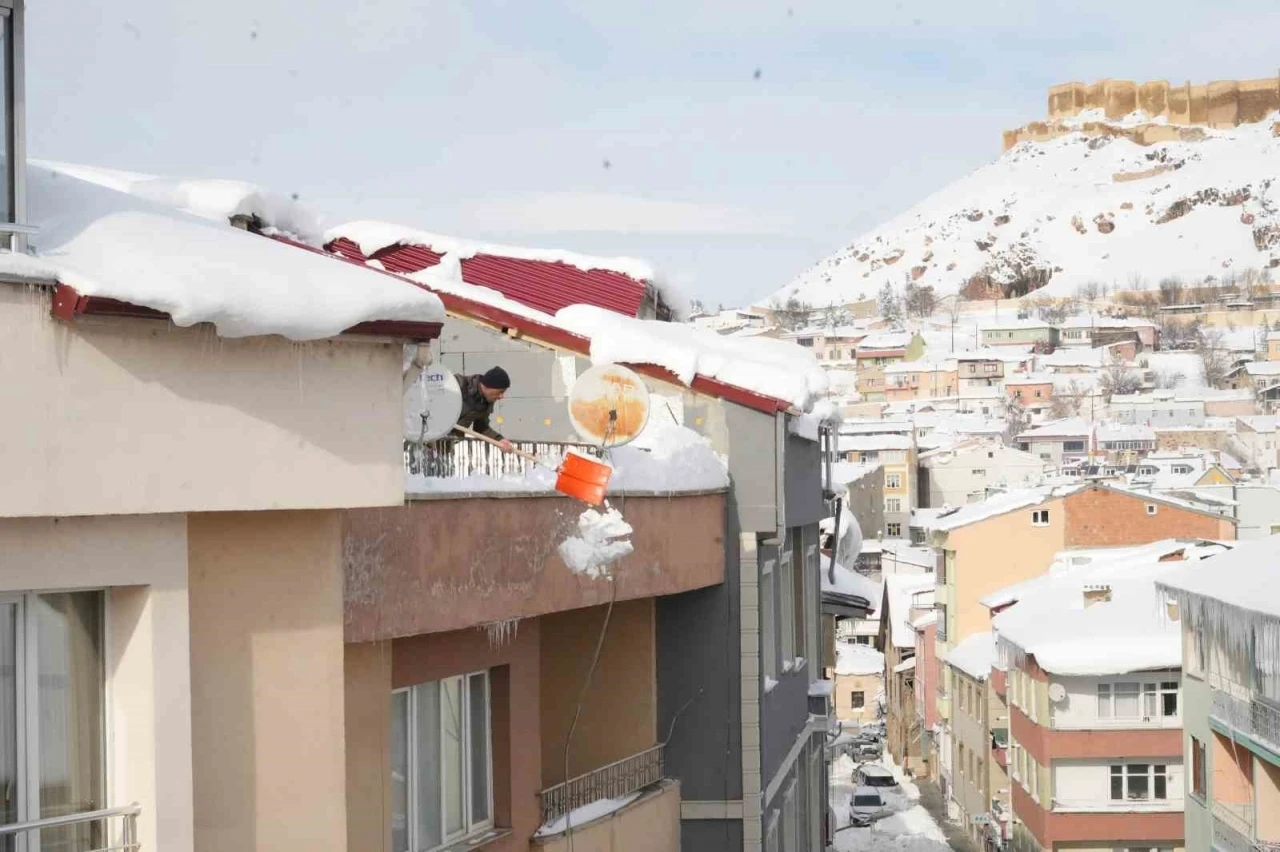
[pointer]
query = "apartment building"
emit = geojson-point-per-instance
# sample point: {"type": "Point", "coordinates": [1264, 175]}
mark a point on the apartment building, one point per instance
{"type": "Point", "coordinates": [1096, 705]}
{"type": "Point", "coordinates": [858, 683]}
{"type": "Point", "coordinates": [878, 350]}
{"type": "Point", "coordinates": [1123, 444]}
{"type": "Point", "coordinates": [1093, 331]}
{"type": "Point", "coordinates": [893, 447]}
{"type": "Point", "coordinates": [979, 369]}
{"type": "Point", "coordinates": [924, 379]}
{"type": "Point", "coordinates": [1257, 440]}
{"type": "Point", "coordinates": [1060, 443]}
{"type": "Point", "coordinates": [968, 471]}
{"type": "Point", "coordinates": [969, 675]}
{"type": "Point", "coordinates": [907, 599]}
{"type": "Point", "coordinates": [1037, 334]}
{"type": "Point", "coordinates": [1161, 408]}
{"type": "Point", "coordinates": [1229, 615]}
{"type": "Point", "coordinates": [1033, 391]}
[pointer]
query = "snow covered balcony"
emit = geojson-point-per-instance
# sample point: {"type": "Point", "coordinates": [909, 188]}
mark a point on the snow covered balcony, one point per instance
{"type": "Point", "coordinates": [615, 781]}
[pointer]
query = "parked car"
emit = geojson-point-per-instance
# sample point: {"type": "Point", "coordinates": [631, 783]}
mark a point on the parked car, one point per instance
{"type": "Point", "coordinates": [866, 805]}
{"type": "Point", "coordinates": [874, 775]}
{"type": "Point", "coordinates": [868, 751]}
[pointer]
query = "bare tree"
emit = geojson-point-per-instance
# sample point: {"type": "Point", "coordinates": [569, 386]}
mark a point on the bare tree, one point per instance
{"type": "Point", "coordinates": [1089, 291]}
{"type": "Point", "coordinates": [1066, 400]}
{"type": "Point", "coordinates": [1171, 290]}
{"type": "Point", "coordinates": [792, 314]}
{"type": "Point", "coordinates": [1169, 379]}
{"type": "Point", "coordinates": [1117, 377]}
{"type": "Point", "coordinates": [888, 303]}
{"type": "Point", "coordinates": [919, 301]}
{"type": "Point", "coordinates": [1215, 360]}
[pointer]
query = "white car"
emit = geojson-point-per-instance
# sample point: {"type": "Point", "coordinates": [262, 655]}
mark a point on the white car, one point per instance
{"type": "Point", "coordinates": [866, 805]}
{"type": "Point", "coordinates": [874, 775]}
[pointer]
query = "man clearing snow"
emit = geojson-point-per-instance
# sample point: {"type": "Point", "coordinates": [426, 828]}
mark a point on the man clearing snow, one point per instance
{"type": "Point", "coordinates": [479, 392]}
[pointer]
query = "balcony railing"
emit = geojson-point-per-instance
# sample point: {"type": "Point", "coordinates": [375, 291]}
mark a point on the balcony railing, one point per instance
{"type": "Point", "coordinates": [1102, 806]}
{"type": "Point", "coordinates": [608, 782]}
{"type": "Point", "coordinates": [90, 831]}
{"type": "Point", "coordinates": [448, 458]}
{"type": "Point", "coordinates": [1253, 717]}
{"type": "Point", "coordinates": [1135, 723]}
{"type": "Point", "coordinates": [1233, 826]}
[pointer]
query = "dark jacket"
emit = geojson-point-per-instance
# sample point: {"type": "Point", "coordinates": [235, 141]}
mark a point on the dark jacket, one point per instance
{"type": "Point", "coordinates": [476, 410]}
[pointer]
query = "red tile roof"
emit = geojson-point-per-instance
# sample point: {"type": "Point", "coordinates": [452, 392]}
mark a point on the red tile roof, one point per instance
{"type": "Point", "coordinates": [540, 284]}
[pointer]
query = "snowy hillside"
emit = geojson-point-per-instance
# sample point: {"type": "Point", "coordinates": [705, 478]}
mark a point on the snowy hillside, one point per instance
{"type": "Point", "coordinates": [1081, 207]}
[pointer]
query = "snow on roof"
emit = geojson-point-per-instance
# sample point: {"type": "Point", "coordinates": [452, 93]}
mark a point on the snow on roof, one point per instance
{"type": "Point", "coordinates": [775, 368]}
{"type": "Point", "coordinates": [899, 590]}
{"type": "Point", "coordinates": [905, 666]}
{"type": "Point", "coordinates": [1124, 630]}
{"type": "Point", "coordinates": [168, 246]}
{"type": "Point", "coordinates": [1071, 427]}
{"type": "Point", "coordinates": [847, 473]}
{"type": "Point", "coordinates": [849, 583]}
{"type": "Point", "coordinates": [1029, 379]}
{"type": "Point", "coordinates": [1263, 368]}
{"type": "Point", "coordinates": [895, 552]}
{"type": "Point", "coordinates": [999, 504]}
{"type": "Point", "coordinates": [886, 340]}
{"type": "Point", "coordinates": [855, 659]}
{"type": "Point", "coordinates": [1014, 323]}
{"type": "Point", "coordinates": [868, 427]}
{"type": "Point", "coordinates": [1261, 422]}
{"type": "Point", "coordinates": [1097, 321]}
{"type": "Point", "coordinates": [864, 443]}
{"type": "Point", "coordinates": [1243, 581]}
{"type": "Point", "coordinates": [1189, 364]}
{"type": "Point", "coordinates": [1108, 432]}
{"type": "Point", "coordinates": [974, 655]}
{"type": "Point", "coordinates": [923, 621]}
{"type": "Point", "coordinates": [924, 365]}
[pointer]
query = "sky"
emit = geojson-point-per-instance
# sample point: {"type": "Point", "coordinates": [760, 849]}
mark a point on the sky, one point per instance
{"type": "Point", "coordinates": [733, 143]}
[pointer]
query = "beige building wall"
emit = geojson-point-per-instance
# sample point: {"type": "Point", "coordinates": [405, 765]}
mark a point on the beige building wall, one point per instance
{"type": "Point", "coordinates": [992, 554]}
{"type": "Point", "coordinates": [141, 561]}
{"type": "Point", "coordinates": [619, 716]}
{"type": "Point", "coordinates": [111, 416]}
{"type": "Point", "coordinates": [649, 824]}
{"type": "Point", "coordinates": [846, 685]}
{"type": "Point", "coordinates": [267, 686]}
{"type": "Point", "coordinates": [367, 716]}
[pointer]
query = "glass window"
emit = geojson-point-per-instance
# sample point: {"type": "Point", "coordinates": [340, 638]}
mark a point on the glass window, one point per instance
{"type": "Point", "coordinates": [768, 631]}
{"type": "Point", "coordinates": [1126, 698]}
{"type": "Point", "coordinates": [1104, 701]}
{"type": "Point", "coordinates": [893, 530]}
{"type": "Point", "coordinates": [1150, 698]}
{"type": "Point", "coordinates": [7, 162]}
{"type": "Point", "coordinates": [858, 700]}
{"type": "Point", "coordinates": [441, 762]}
{"type": "Point", "coordinates": [1198, 784]}
{"type": "Point", "coordinates": [1169, 698]}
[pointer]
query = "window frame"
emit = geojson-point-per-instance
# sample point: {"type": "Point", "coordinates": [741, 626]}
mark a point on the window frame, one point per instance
{"type": "Point", "coordinates": [893, 529]}
{"type": "Point", "coordinates": [12, 220]}
{"type": "Point", "coordinates": [1199, 769]}
{"type": "Point", "coordinates": [787, 604]}
{"type": "Point", "coordinates": [768, 622]}
{"type": "Point", "coordinates": [893, 480]}
{"type": "Point", "coordinates": [1039, 517]}
{"type": "Point", "coordinates": [471, 827]}
{"type": "Point", "coordinates": [857, 699]}
{"type": "Point", "coordinates": [1153, 774]}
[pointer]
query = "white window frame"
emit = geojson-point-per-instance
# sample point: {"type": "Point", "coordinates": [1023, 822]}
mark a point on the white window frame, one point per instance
{"type": "Point", "coordinates": [1151, 508]}
{"type": "Point", "coordinates": [893, 504]}
{"type": "Point", "coordinates": [812, 567]}
{"type": "Point", "coordinates": [787, 603]}
{"type": "Point", "coordinates": [768, 624]}
{"type": "Point", "coordinates": [470, 827]}
{"type": "Point", "coordinates": [1039, 517]}
{"type": "Point", "coordinates": [1153, 772]}
{"type": "Point", "coordinates": [894, 529]}
{"type": "Point", "coordinates": [893, 480]}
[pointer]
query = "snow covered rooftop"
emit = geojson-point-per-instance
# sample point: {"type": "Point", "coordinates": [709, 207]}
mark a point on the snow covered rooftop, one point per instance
{"type": "Point", "coordinates": [1108, 432]}
{"type": "Point", "coordinates": [849, 583]}
{"type": "Point", "coordinates": [1103, 616]}
{"type": "Point", "coordinates": [873, 443]}
{"type": "Point", "coordinates": [999, 504]}
{"type": "Point", "coordinates": [169, 246]}
{"type": "Point", "coordinates": [974, 655]}
{"type": "Point", "coordinates": [1246, 580]}
{"type": "Point", "coordinates": [1029, 379]}
{"type": "Point", "coordinates": [1098, 321]}
{"type": "Point", "coordinates": [885, 340]}
{"type": "Point", "coordinates": [1263, 368]}
{"type": "Point", "coordinates": [1071, 427]}
{"type": "Point", "coordinates": [1015, 323]}
{"type": "Point", "coordinates": [900, 590]}
{"type": "Point", "coordinates": [845, 473]}
{"type": "Point", "coordinates": [855, 659]}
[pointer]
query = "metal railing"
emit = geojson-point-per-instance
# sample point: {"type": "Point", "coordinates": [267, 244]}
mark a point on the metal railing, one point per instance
{"type": "Point", "coordinates": [608, 782]}
{"type": "Point", "coordinates": [87, 831]}
{"type": "Point", "coordinates": [1237, 816]}
{"type": "Point", "coordinates": [449, 458]}
{"type": "Point", "coordinates": [1254, 717]}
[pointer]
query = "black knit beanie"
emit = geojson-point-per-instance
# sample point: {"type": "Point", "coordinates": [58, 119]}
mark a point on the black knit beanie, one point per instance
{"type": "Point", "coordinates": [496, 378]}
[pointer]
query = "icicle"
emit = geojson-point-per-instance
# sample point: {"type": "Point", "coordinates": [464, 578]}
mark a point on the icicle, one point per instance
{"type": "Point", "coordinates": [502, 632]}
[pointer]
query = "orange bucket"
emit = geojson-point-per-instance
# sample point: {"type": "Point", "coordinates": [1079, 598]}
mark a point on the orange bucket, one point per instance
{"type": "Point", "coordinates": [583, 478]}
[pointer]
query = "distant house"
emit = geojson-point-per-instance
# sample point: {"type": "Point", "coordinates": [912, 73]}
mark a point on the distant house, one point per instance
{"type": "Point", "coordinates": [967, 472]}
{"type": "Point", "coordinates": [896, 453]}
{"type": "Point", "coordinates": [1060, 442]}
{"type": "Point", "coordinates": [1156, 409]}
{"type": "Point", "coordinates": [1094, 331]}
{"type": "Point", "coordinates": [1122, 443]}
{"type": "Point", "coordinates": [878, 350]}
{"type": "Point", "coordinates": [924, 379]}
{"type": "Point", "coordinates": [1021, 332]}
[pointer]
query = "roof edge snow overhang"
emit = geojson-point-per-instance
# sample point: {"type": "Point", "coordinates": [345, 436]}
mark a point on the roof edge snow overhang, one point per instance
{"type": "Point", "coordinates": [68, 304]}
{"type": "Point", "coordinates": [515, 325]}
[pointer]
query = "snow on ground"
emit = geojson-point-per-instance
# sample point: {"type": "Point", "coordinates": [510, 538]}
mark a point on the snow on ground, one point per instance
{"type": "Point", "coordinates": [909, 828]}
{"type": "Point", "coordinates": [1084, 209]}
{"type": "Point", "coordinates": [1187, 364]}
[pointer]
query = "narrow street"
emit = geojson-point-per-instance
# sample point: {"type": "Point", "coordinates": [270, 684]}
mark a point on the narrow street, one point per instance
{"type": "Point", "coordinates": [914, 824]}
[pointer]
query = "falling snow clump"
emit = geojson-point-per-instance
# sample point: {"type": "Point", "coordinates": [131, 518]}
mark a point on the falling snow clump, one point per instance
{"type": "Point", "coordinates": [601, 541]}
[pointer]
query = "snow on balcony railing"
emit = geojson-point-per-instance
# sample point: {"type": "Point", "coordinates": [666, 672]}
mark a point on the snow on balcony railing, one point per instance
{"type": "Point", "coordinates": [448, 458]}
{"type": "Point", "coordinates": [608, 782]}
{"type": "Point", "coordinates": [1254, 717]}
{"type": "Point", "coordinates": [1233, 826]}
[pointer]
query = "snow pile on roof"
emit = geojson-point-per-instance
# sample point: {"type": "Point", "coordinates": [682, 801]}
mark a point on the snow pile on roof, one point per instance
{"type": "Point", "coordinates": [774, 368]}
{"type": "Point", "coordinates": [870, 443]}
{"type": "Point", "coordinates": [999, 504]}
{"type": "Point", "coordinates": [855, 659]}
{"type": "Point", "coordinates": [1075, 209]}
{"type": "Point", "coordinates": [106, 242]}
{"type": "Point", "coordinates": [1108, 432]}
{"type": "Point", "coordinates": [882, 340]}
{"type": "Point", "coordinates": [905, 666]}
{"type": "Point", "coordinates": [601, 541]}
{"type": "Point", "coordinates": [900, 591]}
{"type": "Point", "coordinates": [807, 426]}
{"type": "Point", "coordinates": [1071, 427]}
{"type": "Point", "coordinates": [974, 655]}
{"type": "Point", "coordinates": [1241, 586]}
{"type": "Point", "coordinates": [1123, 628]}
{"type": "Point", "coordinates": [844, 474]}
{"type": "Point", "coordinates": [848, 582]}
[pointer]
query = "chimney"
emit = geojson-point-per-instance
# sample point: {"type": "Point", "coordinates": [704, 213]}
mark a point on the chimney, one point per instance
{"type": "Point", "coordinates": [1096, 594]}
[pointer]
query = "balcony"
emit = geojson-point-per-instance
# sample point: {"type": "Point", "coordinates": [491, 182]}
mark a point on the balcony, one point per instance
{"type": "Point", "coordinates": [618, 779]}
{"type": "Point", "coordinates": [96, 830]}
{"type": "Point", "coordinates": [1134, 723]}
{"type": "Point", "coordinates": [434, 462]}
{"type": "Point", "coordinates": [1254, 717]}
{"type": "Point", "coordinates": [1233, 827]}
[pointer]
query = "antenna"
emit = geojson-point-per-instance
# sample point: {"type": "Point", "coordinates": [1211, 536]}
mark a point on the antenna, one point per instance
{"type": "Point", "coordinates": [431, 405]}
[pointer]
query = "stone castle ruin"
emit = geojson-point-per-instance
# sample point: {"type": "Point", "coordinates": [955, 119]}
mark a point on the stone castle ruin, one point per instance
{"type": "Point", "coordinates": [1185, 109]}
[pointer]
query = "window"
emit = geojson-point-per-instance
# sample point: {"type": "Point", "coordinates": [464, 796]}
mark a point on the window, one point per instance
{"type": "Point", "coordinates": [893, 504]}
{"type": "Point", "coordinates": [52, 677]}
{"type": "Point", "coordinates": [1073, 446]}
{"type": "Point", "coordinates": [1040, 517]}
{"type": "Point", "coordinates": [13, 168]}
{"type": "Point", "coordinates": [1037, 394]}
{"type": "Point", "coordinates": [1046, 457]}
{"type": "Point", "coordinates": [893, 530]}
{"type": "Point", "coordinates": [1139, 782]}
{"type": "Point", "coordinates": [768, 629]}
{"type": "Point", "coordinates": [786, 600]}
{"type": "Point", "coordinates": [1151, 508]}
{"type": "Point", "coordinates": [1198, 785]}
{"type": "Point", "coordinates": [893, 480]}
{"type": "Point", "coordinates": [973, 368]}
{"type": "Point", "coordinates": [941, 610]}
{"type": "Point", "coordinates": [441, 762]}
{"type": "Point", "coordinates": [858, 700]}
{"type": "Point", "coordinates": [988, 368]}
{"type": "Point", "coordinates": [977, 471]}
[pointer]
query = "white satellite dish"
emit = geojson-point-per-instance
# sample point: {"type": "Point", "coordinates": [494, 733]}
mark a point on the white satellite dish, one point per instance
{"type": "Point", "coordinates": [1057, 692]}
{"type": "Point", "coordinates": [609, 405]}
{"type": "Point", "coordinates": [432, 405]}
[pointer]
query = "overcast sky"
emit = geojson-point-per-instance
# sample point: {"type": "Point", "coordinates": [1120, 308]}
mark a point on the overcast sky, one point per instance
{"type": "Point", "coordinates": [731, 142]}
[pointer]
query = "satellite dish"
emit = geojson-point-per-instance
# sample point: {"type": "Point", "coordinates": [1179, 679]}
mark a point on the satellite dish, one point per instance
{"type": "Point", "coordinates": [1057, 692]}
{"type": "Point", "coordinates": [432, 405]}
{"type": "Point", "coordinates": [609, 405]}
